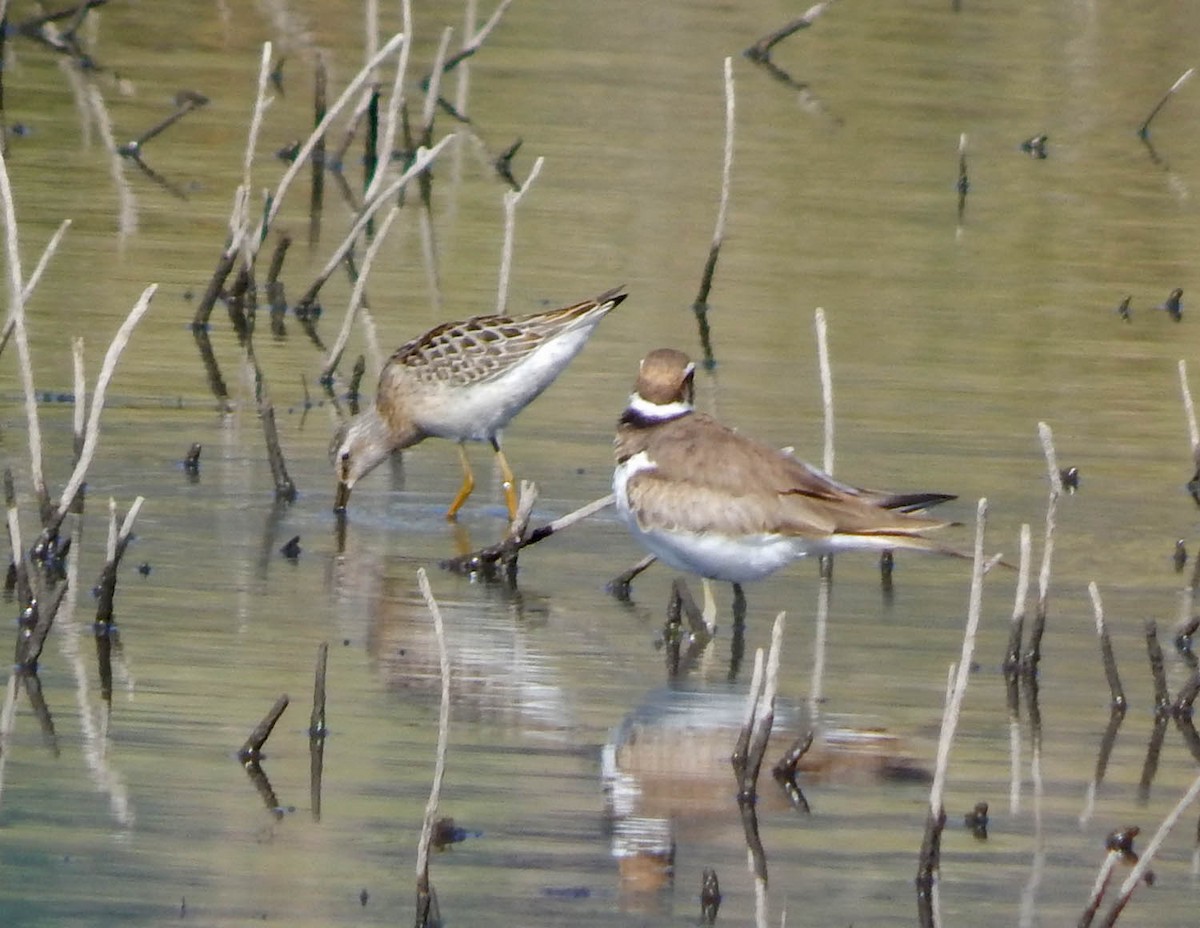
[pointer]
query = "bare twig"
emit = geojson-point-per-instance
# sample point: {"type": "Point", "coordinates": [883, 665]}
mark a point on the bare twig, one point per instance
{"type": "Point", "coordinates": [511, 199]}
{"type": "Point", "coordinates": [826, 387]}
{"type": "Point", "coordinates": [423, 159]}
{"type": "Point", "coordinates": [251, 751]}
{"type": "Point", "coordinates": [92, 434]}
{"type": "Point", "coordinates": [1012, 658]}
{"type": "Point", "coordinates": [1106, 649]}
{"type": "Point", "coordinates": [760, 51]}
{"type": "Point", "coordinates": [486, 558]}
{"type": "Point", "coordinates": [700, 305]}
{"type": "Point", "coordinates": [1034, 653]}
{"type": "Point", "coordinates": [475, 43]}
{"type": "Point", "coordinates": [1139, 869]}
{"type": "Point", "coordinates": [425, 895]}
{"type": "Point", "coordinates": [339, 346]}
{"type": "Point", "coordinates": [1144, 128]}
{"type": "Point", "coordinates": [955, 694]}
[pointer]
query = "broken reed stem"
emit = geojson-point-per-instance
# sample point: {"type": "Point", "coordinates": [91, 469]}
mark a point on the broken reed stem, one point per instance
{"type": "Point", "coordinates": [423, 159]}
{"type": "Point", "coordinates": [339, 346]}
{"type": "Point", "coordinates": [92, 433]}
{"type": "Point", "coordinates": [957, 677]}
{"type": "Point", "coordinates": [964, 184]}
{"type": "Point", "coordinates": [424, 890]}
{"type": "Point", "coordinates": [1111, 858]}
{"type": "Point", "coordinates": [463, 84]}
{"type": "Point", "coordinates": [821, 636]}
{"type": "Point", "coordinates": [489, 555]}
{"type": "Point", "coordinates": [511, 199]}
{"type": "Point", "coordinates": [826, 387]}
{"type": "Point", "coordinates": [1189, 411]}
{"type": "Point", "coordinates": [316, 721]}
{"type": "Point", "coordinates": [1138, 872]}
{"type": "Point", "coordinates": [1034, 654]}
{"type": "Point", "coordinates": [761, 50]}
{"type": "Point", "coordinates": [256, 116]}
{"type": "Point", "coordinates": [1144, 129]}
{"type": "Point", "coordinates": [392, 114]}
{"type": "Point", "coordinates": [1162, 695]}
{"type": "Point", "coordinates": [16, 315]}
{"type": "Point", "coordinates": [958, 688]}
{"type": "Point", "coordinates": [477, 40]}
{"type": "Point", "coordinates": [32, 282]}
{"type": "Point", "coordinates": [316, 194]}
{"type": "Point", "coordinates": [718, 238]}
{"type": "Point", "coordinates": [118, 541]}
{"type": "Point", "coordinates": [276, 200]}
{"type": "Point", "coordinates": [741, 748]}
{"type": "Point", "coordinates": [431, 93]}
{"type": "Point", "coordinates": [1106, 649]}
{"type": "Point", "coordinates": [251, 751]}
{"type": "Point", "coordinates": [1012, 658]}
{"type": "Point", "coordinates": [764, 712]}
{"type": "Point", "coordinates": [79, 409]}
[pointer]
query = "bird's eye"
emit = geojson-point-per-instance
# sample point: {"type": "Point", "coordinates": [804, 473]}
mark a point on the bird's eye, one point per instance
{"type": "Point", "coordinates": [345, 457]}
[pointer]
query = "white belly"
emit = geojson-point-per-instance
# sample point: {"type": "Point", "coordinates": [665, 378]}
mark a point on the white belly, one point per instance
{"type": "Point", "coordinates": [737, 559]}
{"type": "Point", "coordinates": [478, 412]}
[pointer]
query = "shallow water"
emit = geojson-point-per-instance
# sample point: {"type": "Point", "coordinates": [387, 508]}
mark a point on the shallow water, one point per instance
{"type": "Point", "coordinates": [950, 341]}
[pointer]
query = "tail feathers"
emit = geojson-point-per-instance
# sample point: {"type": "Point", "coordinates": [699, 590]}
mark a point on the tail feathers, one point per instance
{"type": "Point", "coordinates": [920, 543]}
{"type": "Point", "coordinates": [914, 502]}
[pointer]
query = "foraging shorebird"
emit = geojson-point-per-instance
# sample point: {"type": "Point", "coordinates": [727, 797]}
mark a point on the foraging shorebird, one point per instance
{"type": "Point", "coordinates": [709, 501]}
{"type": "Point", "coordinates": [464, 381]}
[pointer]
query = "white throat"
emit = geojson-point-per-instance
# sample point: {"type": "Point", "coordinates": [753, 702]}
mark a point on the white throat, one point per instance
{"type": "Point", "coordinates": [658, 412]}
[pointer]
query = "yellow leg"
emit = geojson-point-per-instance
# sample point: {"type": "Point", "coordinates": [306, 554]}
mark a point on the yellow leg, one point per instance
{"type": "Point", "coordinates": [464, 491]}
{"type": "Point", "coordinates": [510, 482]}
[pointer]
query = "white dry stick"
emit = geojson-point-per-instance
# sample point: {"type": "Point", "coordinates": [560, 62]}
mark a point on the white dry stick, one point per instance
{"type": "Point", "coordinates": [1018, 616]}
{"type": "Point", "coordinates": [16, 313]}
{"type": "Point", "coordinates": [511, 199]}
{"type": "Point", "coordinates": [1138, 873]}
{"type": "Point", "coordinates": [816, 687]}
{"type": "Point", "coordinates": [80, 407]}
{"type": "Point", "coordinates": [1056, 487]}
{"type": "Point", "coordinates": [127, 219]}
{"type": "Point", "coordinates": [32, 282]}
{"type": "Point", "coordinates": [425, 214]}
{"type": "Point", "coordinates": [462, 86]}
{"type": "Point", "coordinates": [261, 102]}
{"type": "Point", "coordinates": [435, 80]}
{"type": "Point", "coordinates": [765, 715]}
{"type": "Point", "coordinates": [726, 160]}
{"type": "Point", "coordinates": [423, 159]}
{"type": "Point", "coordinates": [958, 688]}
{"type": "Point", "coordinates": [92, 434]}
{"type": "Point", "coordinates": [481, 36]}
{"type": "Point", "coordinates": [439, 769]}
{"type": "Point", "coordinates": [47, 254]}
{"type": "Point", "coordinates": [391, 116]}
{"type": "Point", "coordinates": [339, 346]}
{"type": "Point", "coordinates": [1189, 410]}
{"type": "Point", "coordinates": [330, 115]}
{"type": "Point", "coordinates": [826, 387]}
{"type": "Point", "coordinates": [755, 693]}
{"type": "Point", "coordinates": [8, 715]}
{"type": "Point", "coordinates": [371, 21]}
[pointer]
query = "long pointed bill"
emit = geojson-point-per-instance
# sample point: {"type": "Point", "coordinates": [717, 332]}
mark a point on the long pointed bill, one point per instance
{"type": "Point", "coordinates": [341, 497]}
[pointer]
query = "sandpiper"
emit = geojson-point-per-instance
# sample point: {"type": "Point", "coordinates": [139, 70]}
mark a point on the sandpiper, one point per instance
{"type": "Point", "coordinates": [464, 381]}
{"type": "Point", "coordinates": [709, 501]}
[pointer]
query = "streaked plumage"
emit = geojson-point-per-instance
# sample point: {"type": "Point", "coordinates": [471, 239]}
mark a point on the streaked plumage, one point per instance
{"type": "Point", "coordinates": [710, 501]}
{"type": "Point", "coordinates": [464, 381]}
